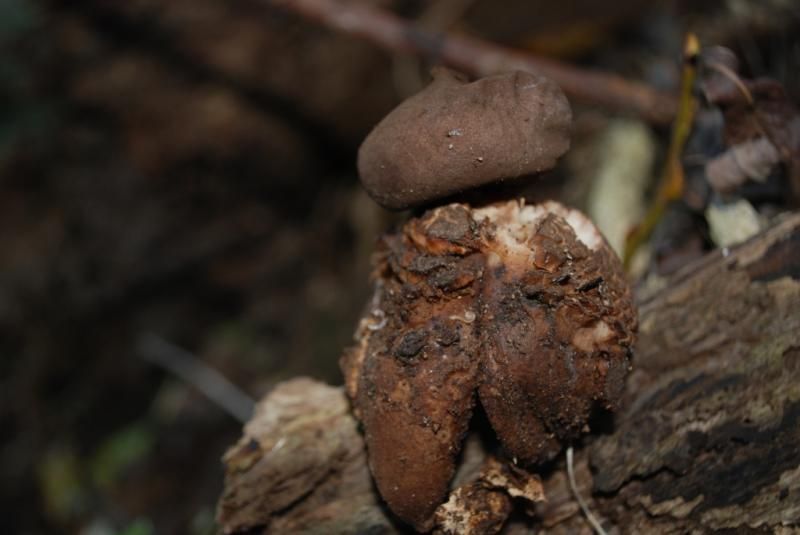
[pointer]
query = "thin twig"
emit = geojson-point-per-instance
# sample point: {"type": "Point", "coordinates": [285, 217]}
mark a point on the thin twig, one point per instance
{"type": "Point", "coordinates": [734, 78]}
{"type": "Point", "coordinates": [671, 185]}
{"type": "Point", "coordinates": [207, 380]}
{"type": "Point", "coordinates": [436, 17]}
{"type": "Point", "coordinates": [481, 58]}
{"type": "Point", "coordinates": [581, 502]}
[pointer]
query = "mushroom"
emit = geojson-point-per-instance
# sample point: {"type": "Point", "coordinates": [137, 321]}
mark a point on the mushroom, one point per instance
{"type": "Point", "coordinates": [523, 307]}
{"type": "Point", "coordinates": [454, 135]}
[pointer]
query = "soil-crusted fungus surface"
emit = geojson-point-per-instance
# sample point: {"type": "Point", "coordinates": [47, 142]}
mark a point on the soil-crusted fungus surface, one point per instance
{"type": "Point", "coordinates": [524, 307]}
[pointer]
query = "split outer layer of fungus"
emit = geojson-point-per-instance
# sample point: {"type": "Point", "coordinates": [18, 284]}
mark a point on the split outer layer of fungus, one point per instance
{"type": "Point", "coordinates": [522, 307]}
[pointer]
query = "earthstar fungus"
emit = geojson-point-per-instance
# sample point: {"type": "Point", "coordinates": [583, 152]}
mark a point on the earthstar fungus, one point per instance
{"type": "Point", "coordinates": [523, 307]}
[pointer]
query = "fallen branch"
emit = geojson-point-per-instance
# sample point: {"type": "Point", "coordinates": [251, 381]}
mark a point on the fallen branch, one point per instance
{"type": "Point", "coordinates": [481, 58]}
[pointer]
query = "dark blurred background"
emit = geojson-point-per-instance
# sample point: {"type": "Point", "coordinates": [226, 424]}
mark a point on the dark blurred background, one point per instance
{"type": "Point", "coordinates": [183, 171]}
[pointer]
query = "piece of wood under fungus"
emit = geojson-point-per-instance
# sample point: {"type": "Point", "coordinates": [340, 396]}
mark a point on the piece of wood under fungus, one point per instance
{"type": "Point", "coordinates": [455, 135]}
{"type": "Point", "coordinates": [524, 305]}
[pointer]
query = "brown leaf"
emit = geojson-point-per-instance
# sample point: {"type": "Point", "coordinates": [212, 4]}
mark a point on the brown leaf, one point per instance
{"type": "Point", "coordinates": [757, 112]}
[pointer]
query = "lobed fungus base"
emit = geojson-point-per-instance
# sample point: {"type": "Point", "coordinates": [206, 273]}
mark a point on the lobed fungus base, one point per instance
{"type": "Point", "coordinates": [525, 308]}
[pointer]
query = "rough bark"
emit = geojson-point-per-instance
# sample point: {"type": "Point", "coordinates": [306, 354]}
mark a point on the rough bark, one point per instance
{"type": "Point", "coordinates": [708, 438]}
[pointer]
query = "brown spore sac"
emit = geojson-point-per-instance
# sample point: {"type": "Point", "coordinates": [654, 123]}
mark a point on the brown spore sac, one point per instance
{"type": "Point", "coordinates": [455, 135]}
{"type": "Point", "coordinates": [536, 322]}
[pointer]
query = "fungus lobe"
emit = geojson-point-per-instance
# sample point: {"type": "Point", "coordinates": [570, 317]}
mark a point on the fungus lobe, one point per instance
{"type": "Point", "coordinates": [524, 307]}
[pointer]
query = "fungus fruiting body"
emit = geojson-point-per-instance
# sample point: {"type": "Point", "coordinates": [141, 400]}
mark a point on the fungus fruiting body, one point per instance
{"type": "Point", "coordinates": [455, 135]}
{"type": "Point", "coordinates": [522, 307]}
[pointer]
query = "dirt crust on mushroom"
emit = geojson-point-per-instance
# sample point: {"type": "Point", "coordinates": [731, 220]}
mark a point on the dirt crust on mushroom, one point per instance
{"type": "Point", "coordinates": [524, 307]}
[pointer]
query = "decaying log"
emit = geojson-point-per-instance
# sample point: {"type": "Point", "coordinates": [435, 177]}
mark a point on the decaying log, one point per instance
{"type": "Point", "coordinates": [708, 437]}
{"type": "Point", "coordinates": [300, 467]}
